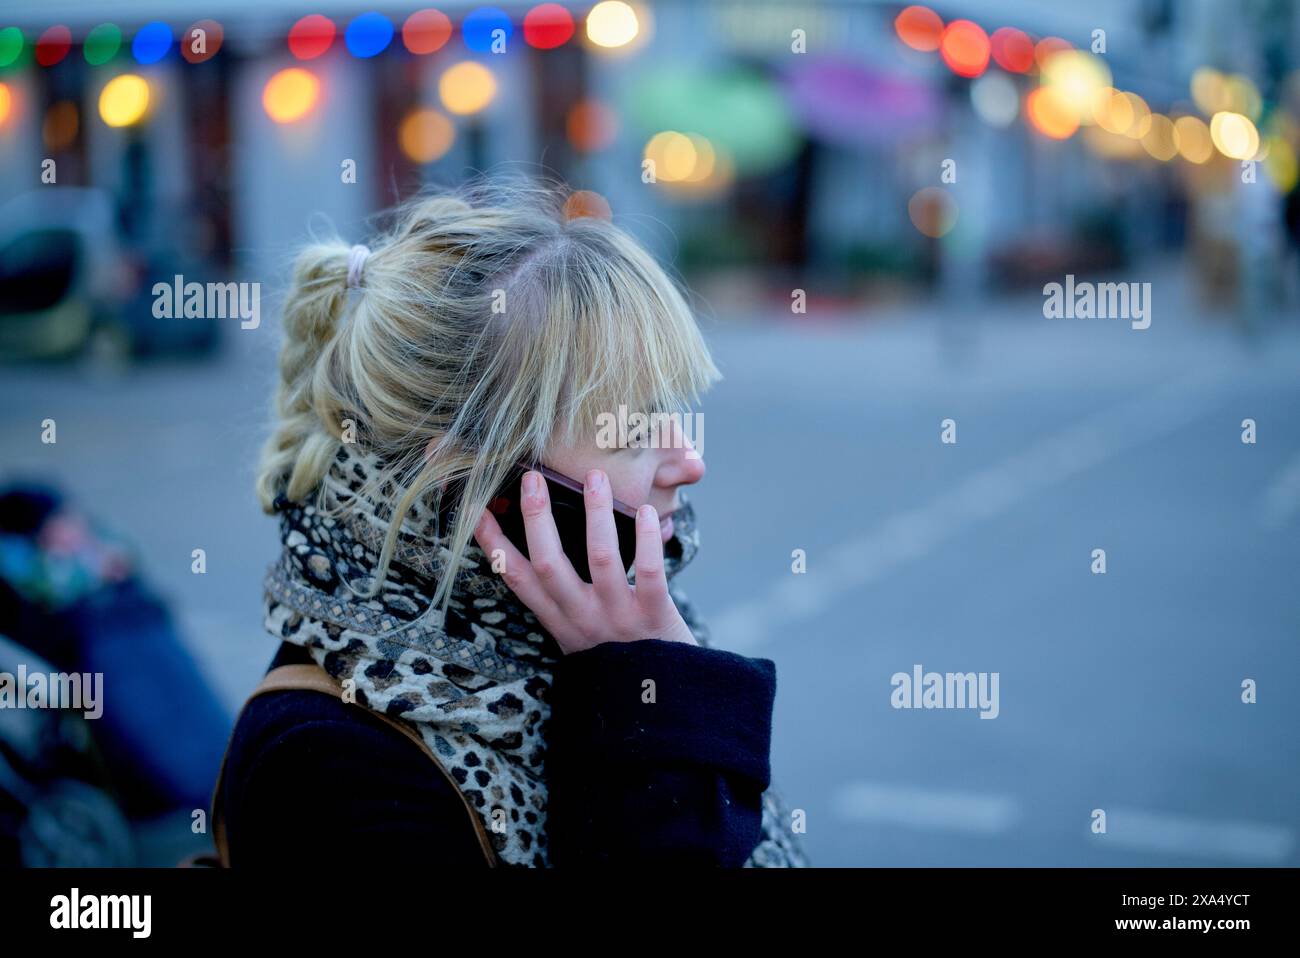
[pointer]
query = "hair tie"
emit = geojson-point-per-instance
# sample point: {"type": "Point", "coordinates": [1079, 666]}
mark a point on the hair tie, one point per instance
{"type": "Point", "coordinates": [356, 260]}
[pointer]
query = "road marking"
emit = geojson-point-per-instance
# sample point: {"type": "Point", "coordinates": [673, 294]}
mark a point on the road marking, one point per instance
{"type": "Point", "coordinates": [879, 803]}
{"type": "Point", "coordinates": [914, 533]}
{"type": "Point", "coordinates": [875, 803]}
{"type": "Point", "coordinates": [1180, 835]}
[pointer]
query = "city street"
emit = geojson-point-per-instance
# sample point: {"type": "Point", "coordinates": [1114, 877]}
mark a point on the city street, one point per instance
{"type": "Point", "coordinates": [1119, 692]}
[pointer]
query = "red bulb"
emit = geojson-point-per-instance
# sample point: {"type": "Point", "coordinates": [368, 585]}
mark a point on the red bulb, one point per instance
{"type": "Point", "coordinates": [53, 45]}
{"type": "Point", "coordinates": [548, 26]}
{"type": "Point", "coordinates": [311, 36]}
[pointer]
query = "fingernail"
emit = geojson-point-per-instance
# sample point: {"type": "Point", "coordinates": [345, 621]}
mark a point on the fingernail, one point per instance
{"type": "Point", "coordinates": [531, 483]}
{"type": "Point", "coordinates": [646, 513]}
{"type": "Point", "coordinates": [594, 480]}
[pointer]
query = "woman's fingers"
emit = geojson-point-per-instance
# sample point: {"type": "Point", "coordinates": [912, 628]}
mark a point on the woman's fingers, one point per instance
{"type": "Point", "coordinates": [545, 553]}
{"type": "Point", "coordinates": [608, 574]}
{"type": "Point", "coordinates": [651, 584]}
{"type": "Point", "coordinates": [515, 571]}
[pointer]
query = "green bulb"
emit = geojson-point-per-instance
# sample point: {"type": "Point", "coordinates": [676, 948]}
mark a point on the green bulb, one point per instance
{"type": "Point", "coordinates": [11, 45]}
{"type": "Point", "coordinates": [102, 44]}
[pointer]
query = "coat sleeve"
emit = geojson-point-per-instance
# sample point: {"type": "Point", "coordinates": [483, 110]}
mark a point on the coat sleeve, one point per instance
{"type": "Point", "coordinates": [313, 789]}
{"type": "Point", "coordinates": [658, 752]}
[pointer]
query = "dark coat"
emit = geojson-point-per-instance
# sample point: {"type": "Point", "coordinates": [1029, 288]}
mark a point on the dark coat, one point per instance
{"type": "Point", "coordinates": [311, 779]}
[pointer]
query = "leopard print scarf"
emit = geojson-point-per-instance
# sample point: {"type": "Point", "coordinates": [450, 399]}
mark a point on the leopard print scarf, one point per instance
{"type": "Point", "coordinates": [474, 683]}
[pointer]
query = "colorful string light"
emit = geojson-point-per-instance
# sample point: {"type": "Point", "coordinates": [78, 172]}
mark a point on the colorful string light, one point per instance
{"type": "Point", "coordinates": [311, 36]}
{"type": "Point", "coordinates": [102, 44]}
{"type": "Point", "coordinates": [53, 45]}
{"type": "Point", "coordinates": [368, 35]}
{"type": "Point", "coordinates": [202, 41]}
{"type": "Point", "coordinates": [426, 31]}
{"type": "Point", "coordinates": [11, 46]}
{"type": "Point", "coordinates": [548, 26]}
{"type": "Point", "coordinates": [152, 42]}
{"type": "Point", "coordinates": [480, 29]}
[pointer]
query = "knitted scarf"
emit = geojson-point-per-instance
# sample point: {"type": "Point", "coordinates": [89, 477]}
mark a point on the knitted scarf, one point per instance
{"type": "Point", "coordinates": [474, 681]}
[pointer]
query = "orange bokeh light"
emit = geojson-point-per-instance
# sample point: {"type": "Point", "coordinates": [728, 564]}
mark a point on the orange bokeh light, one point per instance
{"type": "Point", "coordinates": [920, 28]}
{"type": "Point", "coordinates": [1051, 113]}
{"type": "Point", "coordinates": [591, 126]}
{"type": "Point", "coordinates": [965, 48]}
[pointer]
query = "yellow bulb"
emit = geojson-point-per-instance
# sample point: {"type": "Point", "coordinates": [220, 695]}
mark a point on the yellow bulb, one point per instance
{"type": "Point", "coordinates": [1112, 111]}
{"type": "Point", "coordinates": [124, 100]}
{"type": "Point", "coordinates": [290, 94]}
{"type": "Point", "coordinates": [467, 88]}
{"type": "Point", "coordinates": [1141, 116]}
{"type": "Point", "coordinates": [673, 156]}
{"type": "Point", "coordinates": [612, 23]}
{"type": "Point", "coordinates": [1161, 139]}
{"type": "Point", "coordinates": [1193, 139]}
{"type": "Point", "coordinates": [1234, 135]}
{"type": "Point", "coordinates": [6, 103]}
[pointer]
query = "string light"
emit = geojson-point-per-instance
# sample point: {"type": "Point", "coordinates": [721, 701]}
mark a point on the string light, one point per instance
{"type": "Point", "coordinates": [290, 94]}
{"type": "Point", "coordinates": [311, 36]}
{"type": "Point", "coordinates": [426, 31]}
{"type": "Point", "coordinates": [124, 100]}
{"type": "Point", "coordinates": [152, 42]}
{"type": "Point", "coordinates": [484, 26]}
{"type": "Point", "coordinates": [368, 35]}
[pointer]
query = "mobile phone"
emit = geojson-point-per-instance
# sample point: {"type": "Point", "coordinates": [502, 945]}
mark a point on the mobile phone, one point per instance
{"type": "Point", "coordinates": [570, 513]}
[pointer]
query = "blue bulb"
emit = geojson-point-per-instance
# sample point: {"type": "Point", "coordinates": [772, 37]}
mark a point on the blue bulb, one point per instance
{"type": "Point", "coordinates": [479, 26]}
{"type": "Point", "coordinates": [368, 34]}
{"type": "Point", "coordinates": [152, 42]}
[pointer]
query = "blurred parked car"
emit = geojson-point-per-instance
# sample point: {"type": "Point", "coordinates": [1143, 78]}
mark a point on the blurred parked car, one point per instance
{"type": "Point", "coordinates": [67, 283]}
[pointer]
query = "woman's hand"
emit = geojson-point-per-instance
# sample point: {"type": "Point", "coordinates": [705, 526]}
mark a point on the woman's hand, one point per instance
{"type": "Point", "coordinates": [578, 614]}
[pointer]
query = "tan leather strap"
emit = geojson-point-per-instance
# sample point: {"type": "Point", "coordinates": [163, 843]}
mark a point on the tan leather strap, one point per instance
{"type": "Point", "coordinates": [315, 678]}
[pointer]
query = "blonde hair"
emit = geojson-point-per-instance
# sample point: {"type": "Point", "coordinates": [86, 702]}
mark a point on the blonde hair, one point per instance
{"type": "Point", "coordinates": [487, 322]}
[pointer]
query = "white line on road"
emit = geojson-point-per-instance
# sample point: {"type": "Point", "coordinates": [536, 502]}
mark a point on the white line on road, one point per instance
{"type": "Point", "coordinates": [990, 492]}
{"type": "Point", "coordinates": [875, 803]}
{"type": "Point", "coordinates": [879, 803]}
{"type": "Point", "coordinates": [1180, 835]}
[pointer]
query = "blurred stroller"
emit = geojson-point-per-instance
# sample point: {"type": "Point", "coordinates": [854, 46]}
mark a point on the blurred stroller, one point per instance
{"type": "Point", "coordinates": [71, 602]}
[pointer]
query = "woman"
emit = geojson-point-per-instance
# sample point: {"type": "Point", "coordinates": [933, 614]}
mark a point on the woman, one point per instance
{"type": "Point", "coordinates": [572, 722]}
